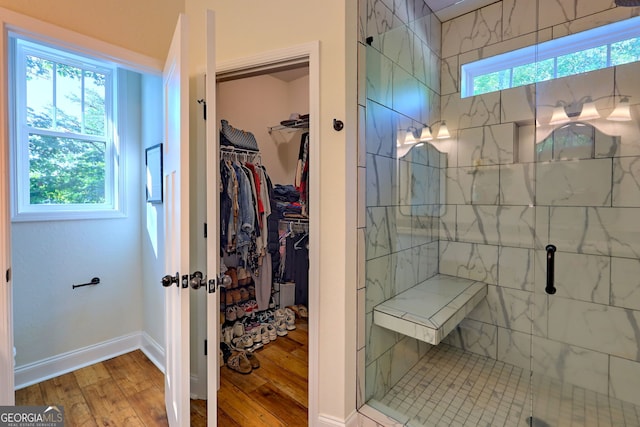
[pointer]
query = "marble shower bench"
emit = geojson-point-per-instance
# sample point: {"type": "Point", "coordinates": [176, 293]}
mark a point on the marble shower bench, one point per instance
{"type": "Point", "coordinates": [431, 309]}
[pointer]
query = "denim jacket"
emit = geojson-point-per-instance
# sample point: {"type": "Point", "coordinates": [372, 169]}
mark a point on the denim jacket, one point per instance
{"type": "Point", "coordinates": [246, 215]}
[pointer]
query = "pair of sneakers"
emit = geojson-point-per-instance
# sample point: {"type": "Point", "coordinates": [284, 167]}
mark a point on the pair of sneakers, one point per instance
{"type": "Point", "coordinates": [238, 360]}
{"type": "Point", "coordinates": [269, 332]}
{"type": "Point", "coordinates": [287, 316]}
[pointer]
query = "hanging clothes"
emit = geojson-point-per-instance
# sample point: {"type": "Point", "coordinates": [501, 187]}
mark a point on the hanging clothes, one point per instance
{"type": "Point", "coordinates": [302, 174]}
{"type": "Point", "coordinates": [245, 206]}
{"type": "Point", "coordinates": [294, 259]}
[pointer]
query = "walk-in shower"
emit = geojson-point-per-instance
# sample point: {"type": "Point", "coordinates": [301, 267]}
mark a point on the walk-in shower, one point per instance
{"type": "Point", "coordinates": [502, 271]}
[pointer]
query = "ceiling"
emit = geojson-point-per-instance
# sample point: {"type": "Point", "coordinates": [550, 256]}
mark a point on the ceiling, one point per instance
{"type": "Point", "coordinates": [449, 9]}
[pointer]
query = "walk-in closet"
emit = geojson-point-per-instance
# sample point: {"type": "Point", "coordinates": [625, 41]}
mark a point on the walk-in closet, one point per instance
{"type": "Point", "coordinates": [263, 121]}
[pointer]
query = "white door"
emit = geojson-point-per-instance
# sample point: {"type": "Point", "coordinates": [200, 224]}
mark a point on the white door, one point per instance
{"type": "Point", "coordinates": [7, 396]}
{"type": "Point", "coordinates": [176, 209]}
{"type": "Point", "coordinates": [6, 322]}
{"type": "Point", "coordinates": [213, 218]}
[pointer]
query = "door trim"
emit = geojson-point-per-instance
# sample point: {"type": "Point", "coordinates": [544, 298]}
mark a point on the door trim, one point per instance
{"type": "Point", "coordinates": [265, 61]}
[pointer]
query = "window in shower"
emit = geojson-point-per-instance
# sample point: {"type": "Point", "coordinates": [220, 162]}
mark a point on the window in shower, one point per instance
{"type": "Point", "coordinates": [602, 47]}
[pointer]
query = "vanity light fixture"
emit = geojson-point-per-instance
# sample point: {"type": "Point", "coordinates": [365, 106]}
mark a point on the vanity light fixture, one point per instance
{"type": "Point", "coordinates": [585, 110]}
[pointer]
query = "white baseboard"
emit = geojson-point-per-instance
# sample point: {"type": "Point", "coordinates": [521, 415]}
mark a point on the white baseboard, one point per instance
{"type": "Point", "coordinates": [153, 350]}
{"type": "Point", "coordinates": [51, 367]}
{"type": "Point", "coordinates": [196, 388]}
{"type": "Point", "coordinates": [328, 421]}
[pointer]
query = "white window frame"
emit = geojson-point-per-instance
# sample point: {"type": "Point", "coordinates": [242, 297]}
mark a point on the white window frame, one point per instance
{"type": "Point", "coordinates": [22, 209]}
{"type": "Point", "coordinates": [596, 37]}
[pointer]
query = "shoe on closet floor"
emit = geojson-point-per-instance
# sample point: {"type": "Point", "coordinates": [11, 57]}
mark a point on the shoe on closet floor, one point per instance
{"type": "Point", "coordinates": [290, 319]}
{"type": "Point", "coordinates": [280, 314]}
{"type": "Point", "coordinates": [227, 334]}
{"type": "Point", "coordinates": [270, 330]}
{"type": "Point", "coordinates": [253, 359]}
{"type": "Point", "coordinates": [238, 329]}
{"type": "Point", "coordinates": [293, 308]}
{"type": "Point", "coordinates": [256, 335]}
{"type": "Point", "coordinates": [302, 311]}
{"type": "Point", "coordinates": [281, 328]}
{"type": "Point", "coordinates": [230, 313]}
{"type": "Point", "coordinates": [239, 362]}
{"type": "Point", "coordinates": [244, 342]}
{"type": "Point", "coordinates": [264, 333]}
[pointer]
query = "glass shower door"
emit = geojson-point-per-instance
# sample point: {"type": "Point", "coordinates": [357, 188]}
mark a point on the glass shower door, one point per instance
{"type": "Point", "coordinates": [585, 356]}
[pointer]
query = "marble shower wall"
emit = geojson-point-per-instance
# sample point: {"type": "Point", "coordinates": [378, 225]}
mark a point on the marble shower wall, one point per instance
{"type": "Point", "coordinates": [400, 188]}
{"type": "Point", "coordinates": [506, 198]}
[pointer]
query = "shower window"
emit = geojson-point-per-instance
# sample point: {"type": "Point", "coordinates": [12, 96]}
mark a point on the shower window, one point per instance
{"type": "Point", "coordinates": [606, 46]}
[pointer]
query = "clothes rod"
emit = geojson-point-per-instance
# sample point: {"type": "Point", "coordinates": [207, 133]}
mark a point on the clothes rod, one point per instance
{"type": "Point", "coordinates": [304, 221]}
{"type": "Point", "coordinates": [231, 149]}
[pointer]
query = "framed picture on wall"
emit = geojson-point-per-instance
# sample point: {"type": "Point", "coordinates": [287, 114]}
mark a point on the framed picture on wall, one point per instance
{"type": "Point", "coordinates": [153, 160]}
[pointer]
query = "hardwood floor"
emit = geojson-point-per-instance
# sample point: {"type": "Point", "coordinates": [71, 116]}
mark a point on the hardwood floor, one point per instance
{"type": "Point", "coordinates": [128, 390]}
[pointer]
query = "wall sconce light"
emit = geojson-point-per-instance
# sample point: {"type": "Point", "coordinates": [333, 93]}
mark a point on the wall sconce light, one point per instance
{"type": "Point", "coordinates": [621, 112]}
{"type": "Point", "coordinates": [427, 135]}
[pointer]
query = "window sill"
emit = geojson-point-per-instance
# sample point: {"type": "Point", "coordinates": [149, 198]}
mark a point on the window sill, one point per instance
{"type": "Point", "coordinates": [67, 216]}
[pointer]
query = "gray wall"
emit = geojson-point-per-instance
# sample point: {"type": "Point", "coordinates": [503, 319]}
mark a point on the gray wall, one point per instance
{"type": "Point", "coordinates": [400, 187]}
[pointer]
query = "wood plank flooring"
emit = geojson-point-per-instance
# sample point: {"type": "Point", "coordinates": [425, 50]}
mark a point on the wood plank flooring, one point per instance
{"type": "Point", "coordinates": [128, 390]}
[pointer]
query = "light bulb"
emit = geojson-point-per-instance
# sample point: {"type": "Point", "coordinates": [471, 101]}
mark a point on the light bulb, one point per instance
{"type": "Point", "coordinates": [621, 112]}
{"type": "Point", "coordinates": [425, 134]}
{"type": "Point", "coordinates": [443, 132]}
{"type": "Point", "coordinates": [410, 138]}
{"type": "Point", "coordinates": [589, 112]}
{"type": "Point", "coordinates": [559, 116]}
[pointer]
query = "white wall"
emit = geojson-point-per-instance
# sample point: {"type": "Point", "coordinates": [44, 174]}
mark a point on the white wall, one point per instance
{"type": "Point", "coordinates": [152, 218]}
{"type": "Point", "coordinates": [51, 318]}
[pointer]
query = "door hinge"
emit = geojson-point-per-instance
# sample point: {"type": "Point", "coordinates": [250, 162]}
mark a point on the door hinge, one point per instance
{"type": "Point", "coordinates": [8, 275]}
{"type": "Point", "coordinates": [205, 347]}
{"type": "Point", "coordinates": [205, 230]}
{"type": "Point", "coordinates": [204, 107]}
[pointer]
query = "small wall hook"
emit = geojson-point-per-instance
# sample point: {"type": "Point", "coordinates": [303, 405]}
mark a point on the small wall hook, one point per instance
{"type": "Point", "coordinates": [338, 125]}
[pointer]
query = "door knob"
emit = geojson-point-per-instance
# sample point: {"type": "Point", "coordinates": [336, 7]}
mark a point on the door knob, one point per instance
{"type": "Point", "coordinates": [197, 280]}
{"type": "Point", "coordinates": [169, 280]}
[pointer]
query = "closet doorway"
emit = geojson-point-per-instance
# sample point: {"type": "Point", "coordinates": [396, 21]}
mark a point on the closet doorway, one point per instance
{"type": "Point", "coordinates": [275, 98]}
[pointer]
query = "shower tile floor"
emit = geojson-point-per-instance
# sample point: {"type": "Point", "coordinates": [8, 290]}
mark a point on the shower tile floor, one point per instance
{"type": "Point", "coordinates": [450, 387]}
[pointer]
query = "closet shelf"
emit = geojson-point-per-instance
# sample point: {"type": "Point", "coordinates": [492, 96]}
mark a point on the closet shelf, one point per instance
{"type": "Point", "coordinates": [291, 126]}
{"type": "Point", "coordinates": [431, 309]}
